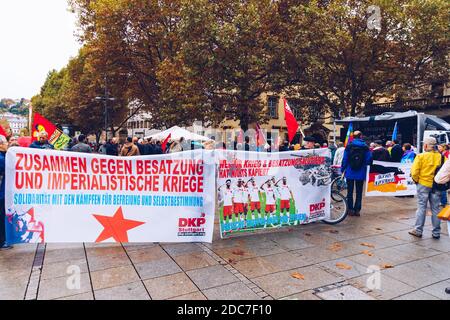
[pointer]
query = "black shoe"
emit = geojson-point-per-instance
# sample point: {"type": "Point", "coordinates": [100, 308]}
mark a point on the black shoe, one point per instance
{"type": "Point", "coordinates": [447, 290]}
{"type": "Point", "coordinates": [5, 247]}
{"type": "Point", "coordinates": [351, 212]}
{"type": "Point", "coordinates": [357, 214]}
{"type": "Point", "coordinates": [436, 237]}
{"type": "Point", "coordinates": [415, 233]}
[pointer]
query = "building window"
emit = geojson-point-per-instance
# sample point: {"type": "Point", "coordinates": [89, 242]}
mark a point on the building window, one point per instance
{"type": "Point", "coordinates": [272, 105]}
{"type": "Point", "coordinates": [295, 107]}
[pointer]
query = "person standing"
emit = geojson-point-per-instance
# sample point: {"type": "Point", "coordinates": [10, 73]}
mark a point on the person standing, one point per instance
{"type": "Point", "coordinates": [423, 172]}
{"type": "Point", "coordinates": [379, 153]}
{"type": "Point", "coordinates": [396, 152]}
{"type": "Point", "coordinates": [42, 142]}
{"type": "Point", "coordinates": [443, 150]}
{"type": "Point", "coordinates": [81, 146]}
{"type": "Point", "coordinates": [129, 149]}
{"type": "Point", "coordinates": [111, 147]}
{"type": "Point", "coordinates": [357, 157]}
{"type": "Point", "coordinates": [408, 154]}
{"type": "Point", "coordinates": [339, 155]}
{"type": "Point", "coordinates": [443, 176]}
{"type": "Point", "coordinates": [3, 149]}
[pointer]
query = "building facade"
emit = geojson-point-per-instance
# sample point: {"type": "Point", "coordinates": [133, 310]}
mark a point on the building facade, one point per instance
{"type": "Point", "coordinates": [16, 122]}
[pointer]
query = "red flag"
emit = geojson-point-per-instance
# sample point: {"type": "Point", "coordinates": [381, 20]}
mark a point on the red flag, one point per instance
{"type": "Point", "coordinates": [291, 123]}
{"type": "Point", "coordinates": [240, 138]}
{"type": "Point", "coordinates": [164, 144]}
{"type": "Point", "coordinates": [3, 132]}
{"type": "Point", "coordinates": [260, 139]}
{"type": "Point", "coordinates": [42, 124]}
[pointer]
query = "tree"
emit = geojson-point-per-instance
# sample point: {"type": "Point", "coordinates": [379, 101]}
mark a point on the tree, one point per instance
{"type": "Point", "coordinates": [231, 50]}
{"type": "Point", "coordinates": [349, 60]}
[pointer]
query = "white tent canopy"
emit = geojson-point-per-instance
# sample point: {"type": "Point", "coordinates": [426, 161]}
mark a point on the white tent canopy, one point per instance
{"type": "Point", "coordinates": [176, 133]}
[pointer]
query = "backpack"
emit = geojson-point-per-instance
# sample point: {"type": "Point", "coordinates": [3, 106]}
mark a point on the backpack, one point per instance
{"type": "Point", "coordinates": [356, 157]}
{"type": "Point", "coordinates": [438, 186]}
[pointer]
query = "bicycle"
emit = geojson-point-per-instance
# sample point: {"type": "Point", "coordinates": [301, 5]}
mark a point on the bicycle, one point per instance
{"type": "Point", "coordinates": [338, 183]}
{"type": "Point", "coordinates": [339, 208]}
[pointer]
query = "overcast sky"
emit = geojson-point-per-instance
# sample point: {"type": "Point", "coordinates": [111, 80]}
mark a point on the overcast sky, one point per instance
{"type": "Point", "coordinates": [35, 37]}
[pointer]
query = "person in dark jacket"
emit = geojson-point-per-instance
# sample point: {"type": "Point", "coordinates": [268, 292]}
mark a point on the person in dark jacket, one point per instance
{"type": "Point", "coordinates": [285, 146]}
{"type": "Point", "coordinates": [42, 142]}
{"type": "Point", "coordinates": [357, 157]}
{"type": "Point", "coordinates": [396, 152]}
{"type": "Point", "coordinates": [379, 153]}
{"type": "Point", "coordinates": [112, 148]}
{"type": "Point", "coordinates": [3, 148]}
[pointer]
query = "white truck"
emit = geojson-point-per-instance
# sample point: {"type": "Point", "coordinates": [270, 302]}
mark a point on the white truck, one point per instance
{"type": "Point", "coordinates": [412, 127]}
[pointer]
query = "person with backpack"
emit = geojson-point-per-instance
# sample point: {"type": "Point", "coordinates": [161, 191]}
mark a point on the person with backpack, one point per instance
{"type": "Point", "coordinates": [357, 157]}
{"type": "Point", "coordinates": [423, 172]}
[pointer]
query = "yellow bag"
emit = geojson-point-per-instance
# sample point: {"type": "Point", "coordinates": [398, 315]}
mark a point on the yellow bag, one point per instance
{"type": "Point", "coordinates": [444, 214]}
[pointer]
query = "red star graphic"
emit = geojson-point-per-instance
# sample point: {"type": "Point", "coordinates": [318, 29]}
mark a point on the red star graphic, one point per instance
{"type": "Point", "coordinates": [116, 227]}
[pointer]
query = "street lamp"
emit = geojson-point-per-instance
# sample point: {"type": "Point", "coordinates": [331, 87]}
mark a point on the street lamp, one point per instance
{"type": "Point", "coordinates": [105, 98]}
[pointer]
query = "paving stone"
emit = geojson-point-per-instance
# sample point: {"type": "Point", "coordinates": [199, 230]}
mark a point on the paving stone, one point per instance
{"type": "Point", "coordinates": [61, 255]}
{"type": "Point", "coordinates": [147, 254]}
{"type": "Point", "coordinates": [157, 268]}
{"type": "Point", "coordinates": [417, 295]}
{"type": "Point", "coordinates": [232, 291]}
{"type": "Point", "coordinates": [129, 291]}
{"type": "Point", "coordinates": [389, 287]}
{"type": "Point", "coordinates": [170, 286]}
{"type": "Point", "coordinates": [113, 277]}
{"type": "Point", "coordinates": [260, 266]}
{"type": "Point", "coordinates": [106, 261]}
{"type": "Point", "coordinates": [316, 255]}
{"type": "Point", "coordinates": [438, 290]}
{"type": "Point", "coordinates": [442, 244]}
{"type": "Point", "coordinates": [282, 284]}
{"type": "Point", "coordinates": [210, 277]}
{"type": "Point", "coordinates": [190, 296]}
{"type": "Point", "coordinates": [344, 293]}
{"type": "Point", "coordinates": [423, 272]}
{"type": "Point", "coordinates": [14, 277]}
{"type": "Point", "coordinates": [306, 295]}
{"type": "Point", "coordinates": [104, 251]}
{"type": "Point", "coordinates": [195, 260]}
{"type": "Point", "coordinates": [63, 287]}
{"type": "Point", "coordinates": [235, 253]}
{"type": "Point", "coordinates": [62, 269]}
{"type": "Point", "coordinates": [175, 249]}
{"type": "Point", "coordinates": [138, 246]}
{"type": "Point", "coordinates": [13, 292]}
{"type": "Point", "coordinates": [82, 296]}
{"type": "Point", "coordinates": [355, 269]}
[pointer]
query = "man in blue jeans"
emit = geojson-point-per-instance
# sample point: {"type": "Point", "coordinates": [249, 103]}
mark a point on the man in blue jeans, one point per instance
{"type": "Point", "coordinates": [357, 157]}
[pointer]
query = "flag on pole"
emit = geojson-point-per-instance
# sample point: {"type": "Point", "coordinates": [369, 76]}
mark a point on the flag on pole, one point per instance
{"type": "Point", "coordinates": [260, 138]}
{"type": "Point", "coordinates": [291, 123]}
{"type": "Point", "coordinates": [349, 137]}
{"type": "Point", "coordinates": [394, 134]}
{"type": "Point", "coordinates": [3, 132]}
{"type": "Point", "coordinates": [55, 136]}
{"type": "Point", "coordinates": [164, 144]}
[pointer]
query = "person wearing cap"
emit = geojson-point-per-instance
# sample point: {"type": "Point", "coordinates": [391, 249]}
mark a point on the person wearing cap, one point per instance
{"type": "Point", "coordinates": [42, 142]}
{"type": "Point", "coordinates": [309, 143]}
{"type": "Point", "coordinates": [423, 172]}
{"type": "Point", "coordinates": [3, 149]}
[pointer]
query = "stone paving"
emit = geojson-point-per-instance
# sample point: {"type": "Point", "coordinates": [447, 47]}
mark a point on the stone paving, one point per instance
{"type": "Point", "coordinates": [310, 262]}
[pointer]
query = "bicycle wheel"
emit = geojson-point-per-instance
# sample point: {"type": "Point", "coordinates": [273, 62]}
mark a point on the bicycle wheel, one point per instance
{"type": "Point", "coordinates": [338, 210]}
{"type": "Point", "coordinates": [339, 185]}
